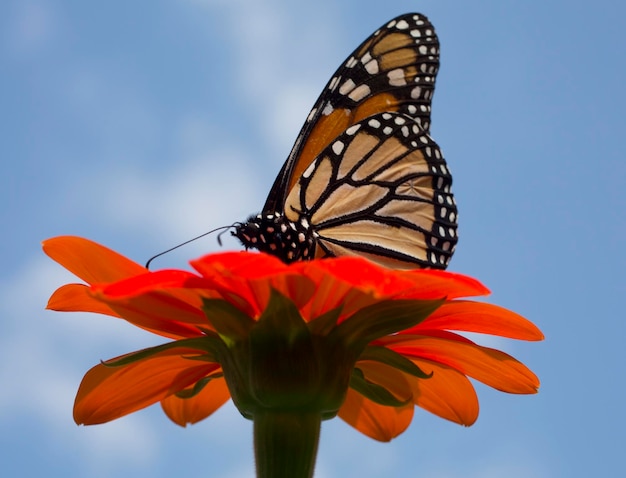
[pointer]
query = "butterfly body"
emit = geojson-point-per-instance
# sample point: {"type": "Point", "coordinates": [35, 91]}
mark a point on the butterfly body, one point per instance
{"type": "Point", "coordinates": [364, 176]}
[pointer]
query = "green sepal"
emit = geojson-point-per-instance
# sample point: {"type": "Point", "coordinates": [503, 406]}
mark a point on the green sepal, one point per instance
{"type": "Point", "coordinates": [393, 359]}
{"type": "Point", "coordinates": [376, 393]}
{"type": "Point", "coordinates": [284, 371]}
{"type": "Point", "coordinates": [231, 324]}
{"type": "Point", "coordinates": [198, 386]}
{"type": "Point", "coordinates": [383, 318]}
{"type": "Point", "coordinates": [199, 343]}
{"type": "Point", "coordinates": [281, 319]}
{"type": "Point", "coordinates": [325, 323]}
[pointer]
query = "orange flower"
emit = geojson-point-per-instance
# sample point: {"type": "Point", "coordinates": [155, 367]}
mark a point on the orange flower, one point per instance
{"type": "Point", "coordinates": [338, 336]}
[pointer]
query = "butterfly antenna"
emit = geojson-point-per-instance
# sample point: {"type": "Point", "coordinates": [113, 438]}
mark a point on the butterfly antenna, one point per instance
{"type": "Point", "coordinates": [219, 240]}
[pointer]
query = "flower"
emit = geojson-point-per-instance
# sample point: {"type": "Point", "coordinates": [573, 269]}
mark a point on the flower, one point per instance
{"type": "Point", "coordinates": [336, 336]}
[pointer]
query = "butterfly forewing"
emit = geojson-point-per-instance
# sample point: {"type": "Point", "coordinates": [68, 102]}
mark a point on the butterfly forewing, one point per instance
{"type": "Point", "coordinates": [381, 189]}
{"type": "Point", "coordinates": [392, 70]}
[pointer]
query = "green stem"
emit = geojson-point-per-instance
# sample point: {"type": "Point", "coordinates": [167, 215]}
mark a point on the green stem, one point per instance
{"type": "Point", "coordinates": [285, 443]}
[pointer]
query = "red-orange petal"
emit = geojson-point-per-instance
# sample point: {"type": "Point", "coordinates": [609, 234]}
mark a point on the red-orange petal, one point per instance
{"type": "Point", "coordinates": [388, 377]}
{"type": "Point", "coordinates": [379, 422]}
{"type": "Point", "coordinates": [90, 261]}
{"type": "Point", "coordinates": [249, 265]}
{"type": "Point", "coordinates": [448, 393]}
{"type": "Point", "coordinates": [479, 317]}
{"type": "Point", "coordinates": [160, 313]}
{"type": "Point", "coordinates": [77, 298]}
{"type": "Point", "coordinates": [107, 393]}
{"type": "Point", "coordinates": [490, 366]}
{"type": "Point", "coordinates": [435, 284]}
{"type": "Point", "coordinates": [183, 411]}
{"type": "Point", "coordinates": [245, 279]}
{"type": "Point", "coordinates": [416, 284]}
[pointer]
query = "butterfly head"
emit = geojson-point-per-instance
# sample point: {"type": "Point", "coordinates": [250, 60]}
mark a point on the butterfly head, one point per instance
{"type": "Point", "coordinates": [275, 234]}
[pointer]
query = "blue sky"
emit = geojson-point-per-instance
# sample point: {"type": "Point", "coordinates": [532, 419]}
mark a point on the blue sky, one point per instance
{"type": "Point", "coordinates": [141, 124]}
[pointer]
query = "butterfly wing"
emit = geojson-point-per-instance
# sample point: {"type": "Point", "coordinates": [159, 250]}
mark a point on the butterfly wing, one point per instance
{"type": "Point", "coordinates": [391, 71]}
{"type": "Point", "coordinates": [380, 190]}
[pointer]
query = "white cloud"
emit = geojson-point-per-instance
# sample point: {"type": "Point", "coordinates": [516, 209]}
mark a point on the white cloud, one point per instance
{"type": "Point", "coordinates": [212, 189]}
{"type": "Point", "coordinates": [278, 76]}
{"type": "Point", "coordinates": [32, 26]}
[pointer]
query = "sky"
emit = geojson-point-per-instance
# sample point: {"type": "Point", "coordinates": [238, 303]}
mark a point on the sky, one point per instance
{"type": "Point", "coordinates": [142, 124]}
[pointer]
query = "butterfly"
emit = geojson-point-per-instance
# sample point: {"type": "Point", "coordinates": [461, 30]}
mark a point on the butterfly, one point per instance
{"type": "Point", "coordinates": [364, 177]}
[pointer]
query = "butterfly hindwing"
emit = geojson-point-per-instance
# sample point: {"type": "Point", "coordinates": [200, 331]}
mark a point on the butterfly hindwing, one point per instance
{"type": "Point", "coordinates": [381, 190]}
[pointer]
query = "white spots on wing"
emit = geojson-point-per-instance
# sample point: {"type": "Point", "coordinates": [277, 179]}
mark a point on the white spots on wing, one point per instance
{"type": "Point", "coordinates": [311, 114]}
{"type": "Point", "coordinates": [351, 62]}
{"type": "Point", "coordinates": [328, 109]}
{"type": "Point", "coordinates": [346, 87]}
{"type": "Point", "coordinates": [338, 147]}
{"type": "Point", "coordinates": [402, 25]}
{"type": "Point", "coordinates": [353, 129]}
{"type": "Point", "coordinates": [374, 123]}
{"type": "Point", "coordinates": [396, 77]}
{"type": "Point", "coordinates": [371, 67]}
{"type": "Point", "coordinates": [370, 64]}
{"type": "Point", "coordinates": [333, 83]}
{"type": "Point", "coordinates": [359, 92]}
{"type": "Point", "coordinates": [387, 130]}
{"type": "Point", "coordinates": [416, 92]}
{"type": "Point", "coordinates": [308, 171]}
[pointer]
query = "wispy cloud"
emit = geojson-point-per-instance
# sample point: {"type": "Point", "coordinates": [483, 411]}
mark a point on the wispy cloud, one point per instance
{"type": "Point", "coordinates": [31, 26]}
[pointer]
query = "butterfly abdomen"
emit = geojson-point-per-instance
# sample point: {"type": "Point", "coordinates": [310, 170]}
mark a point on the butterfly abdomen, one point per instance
{"type": "Point", "coordinates": [275, 234]}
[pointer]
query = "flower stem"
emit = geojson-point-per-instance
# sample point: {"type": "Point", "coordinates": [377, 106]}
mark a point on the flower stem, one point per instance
{"type": "Point", "coordinates": [285, 443]}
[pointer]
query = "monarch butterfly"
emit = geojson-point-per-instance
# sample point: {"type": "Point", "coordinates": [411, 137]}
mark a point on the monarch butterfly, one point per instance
{"type": "Point", "coordinates": [364, 176]}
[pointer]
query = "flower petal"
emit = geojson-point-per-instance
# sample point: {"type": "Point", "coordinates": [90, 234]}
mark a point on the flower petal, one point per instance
{"type": "Point", "coordinates": [435, 284]}
{"type": "Point", "coordinates": [490, 366]}
{"type": "Point", "coordinates": [448, 393]}
{"type": "Point", "coordinates": [246, 279]}
{"type": "Point", "coordinates": [77, 298]}
{"type": "Point", "coordinates": [89, 260]}
{"type": "Point", "coordinates": [161, 314]}
{"type": "Point", "coordinates": [109, 392]}
{"type": "Point", "coordinates": [388, 377]}
{"type": "Point", "coordinates": [376, 421]}
{"type": "Point", "coordinates": [479, 317]}
{"type": "Point", "coordinates": [183, 411]}
{"type": "Point", "coordinates": [243, 264]}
